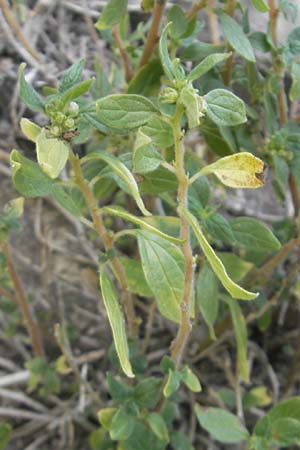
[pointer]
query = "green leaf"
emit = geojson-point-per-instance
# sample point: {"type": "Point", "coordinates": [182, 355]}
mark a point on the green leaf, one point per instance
{"type": "Point", "coordinates": [62, 195]}
{"type": "Point", "coordinates": [240, 330]}
{"type": "Point", "coordinates": [121, 426]}
{"type": "Point", "coordinates": [218, 228]}
{"type": "Point", "coordinates": [222, 425]}
{"type": "Point", "coordinates": [28, 94]}
{"type": "Point", "coordinates": [235, 266]}
{"type": "Point", "coordinates": [289, 408]}
{"type": "Point", "coordinates": [121, 170]}
{"type": "Point", "coordinates": [241, 170]}
{"type": "Point", "coordinates": [172, 384]}
{"type": "Point", "coordinates": [224, 108]}
{"type": "Point", "coordinates": [178, 20]}
{"type": "Point", "coordinates": [163, 266]}
{"type": "Point", "coordinates": [286, 432]}
{"type": "Point", "coordinates": [159, 181]}
{"type": "Point", "coordinates": [71, 76]}
{"type": "Point", "coordinates": [190, 379]}
{"type": "Point", "coordinates": [260, 5]}
{"type": "Point", "coordinates": [190, 101]}
{"type": "Point", "coordinates": [207, 287]}
{"type": "Point", "coordinates": [105, 417]}
{"type": "Point", "coordinates": [216, 264]}
{"type": "Point", "coordinates": [147, 393]}
{"type": "Point", "coordinates": [117, 211]}
{"type": "Point", "coordinates": [127, 111]}
{"type": "Point", "coordinates": [158, 426]}
{"type": "Point", "coordinates": [52, 154]}
{"type": "Point", "coordinates": [28, 177]}
{"type": "Point", "coordinates": [5, 430]}
{"type": "Point", "coordinates": [135, 277]}
{"type": "Point", "coordinates": [75, 91]}
{"type": "Point", "coordinates": [294, 93]}
{"type": "Point", "coordinates": [253, 234]}
{"type": "Point", "coordinates": [147, 80]}
{"type": "Point", "coordinates": [208, 63]}
{"type": "Point", "coordinates": [30, 129]}
{"type": "Point", "coordinates": [116, 321]}
{"type": "Point", "coordinates": [236, 37]}
{"type": "Point", "coordinates": [145, 157]}
{"type": "Point", "coordinates": [164, 53]}
{"type": "Point", "coordinates": [159, 131]}
{"type": "Point", "coordinates": [112, 13]}
{"type": "Point", "coordinates": [180, 441]}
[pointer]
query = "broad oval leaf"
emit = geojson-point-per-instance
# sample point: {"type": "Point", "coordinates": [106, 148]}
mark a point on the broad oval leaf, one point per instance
{"type": "Point", "coordinates": [236, 37]}
{"type": "Point", "coordinates": [221, 424]}
{"type": "Point", "coordinates": [232, 288]}
{"type": "Point", "coordinates": [253, 234]}
{"type": "Point", "coordinates": [208, 63]}
{"type": "Point", "coordinates": [28, 177]}
{"type": "Point", "coordinates": [163, 266]}
{"type": "Point", "coordinates": [127, 111]}
{"type": "Point", "coordinates": [241, 170]}
{"type": "Point", "coordinates": [52, 154]}
{"type": "Point", "coordinates": [224, 108]}
{"type": "Point", "coordinates": [121, 170]}
{"type": "Point", "coordinates": [116, 321]}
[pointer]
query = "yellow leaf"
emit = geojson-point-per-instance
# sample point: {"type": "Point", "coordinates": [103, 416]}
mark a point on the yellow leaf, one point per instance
{"type": "Point", "coordinates": [242, 170]}
{"type": "Point", "coordinates": [30, 129]}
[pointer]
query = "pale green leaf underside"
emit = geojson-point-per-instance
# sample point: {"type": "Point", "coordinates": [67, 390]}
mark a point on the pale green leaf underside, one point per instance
{"type": "Point", "coordinates": [121, 170]}
{"type": "Point", "coordinates": [232, 288]}
{"type": "Point", "coordinates": [116, 321]}
{"type": "Point", "coordinates": [52, 154]}
{"type": "Point", "coordinates": [224, 108]}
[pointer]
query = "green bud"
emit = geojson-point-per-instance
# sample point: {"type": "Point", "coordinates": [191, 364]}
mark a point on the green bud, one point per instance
{"type": "Point", "coordinates": [58, 117]}
{"type": "Point", "coordinates": [169, 95]}
{"type": "Point", "coordinates": [69, 124]}
{"type": "Point", "coordinates": [55, 131]}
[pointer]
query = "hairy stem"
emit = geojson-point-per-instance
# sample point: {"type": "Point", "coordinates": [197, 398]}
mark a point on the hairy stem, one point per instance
{"type": "Point", "coordinates": [107, 239]}
{"type": "Point", "coordinates": [185, 327]}
{"type": "Point", "coordinates": [281, 98]}
{"type": "Point", "coordinates": [153, 35]}
{"type": "Point", "coordinates": [31, 325]}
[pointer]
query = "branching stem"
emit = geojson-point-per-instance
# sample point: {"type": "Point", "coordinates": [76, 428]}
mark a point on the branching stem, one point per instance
{"type": "Point", "coordinates": [107, 239]}
{"type": "Point", "coordinates": [185, 327]}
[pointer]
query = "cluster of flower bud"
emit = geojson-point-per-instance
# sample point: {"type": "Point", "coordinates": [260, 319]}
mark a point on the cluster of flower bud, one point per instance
{"type": "Point", "coordinates": [62, 121]}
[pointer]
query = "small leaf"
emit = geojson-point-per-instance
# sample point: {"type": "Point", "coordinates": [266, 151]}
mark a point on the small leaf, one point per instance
{"type": "Point", "coordinates": [216, 264]}
{"type": "Point", "coordinates": [145, 157]}
{"type": "Point", "coordinates": [117, 211]}
{"type": "Point", "coordinates": [105, 417]}
{"type": "Point", "coordinates": [190, 379]}
{"type": "Point", "coordinates": [116, 321]}
{"type": "Point", "coordinates": [147, 393]}
{"type": "Point", "coordinates": [222, 425]}
{"type": "Point", "coordinates": [236, 37]}
{"type": "Point", "coordinates": [178, 20]}
{"type": "Point", "coordinates": [253, 234]}
{"type": "Point", "coordinates": [28, 94]}
{"type": "Point", "coordinates": [158, 426]}
{"type": "Point", "coordinates": [207, 287]}
{"type": "Point", "coordinates": [121, 170]}
{"type": "Point", "coordinates": [190, 101]}
{"type": "Point", "coordinates": [28, 177]}
{"type": "Point", "coordinates": [172, 384]}
{"type": "Point", "coordinates": [71, 76]}
{"type": "Point", "coordinates": [241, 170]}
{"type": "Point", "coordinates": [75, 91]}
{"type": "Point", "coordinates": [224, 108]}
{"type": "Point", "coordinates": [52, 154]}
{"type": "Point", "coordinates": [5, 430]}
{"type": "Point", "coordinates": [121, 426]}
{"type": "Point", "coordinates": [208, 63]}
{"type": "Point", "coordinates": [164, 53]}
{"type": "Point", "coordinates": [128, 111]}
{"type": "Point", "coordinates": [113, 13]}
{"type": "Point", "coordinates": [257, 397]}
{"type": "Point", "coordinates": [163, 266]}
{"type": "Point", "coordinates": [30, 129]}
{"type": "Point", "coordinates": [260, 5]}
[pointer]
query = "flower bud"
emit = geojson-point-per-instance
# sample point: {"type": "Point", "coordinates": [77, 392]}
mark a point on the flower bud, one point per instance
{"type": "Point", "coordinates": [69, 124]}
{"type": "Point", "coordinates": [169, 95]}
{"type": "Point", "coordinates": [73, 108]}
